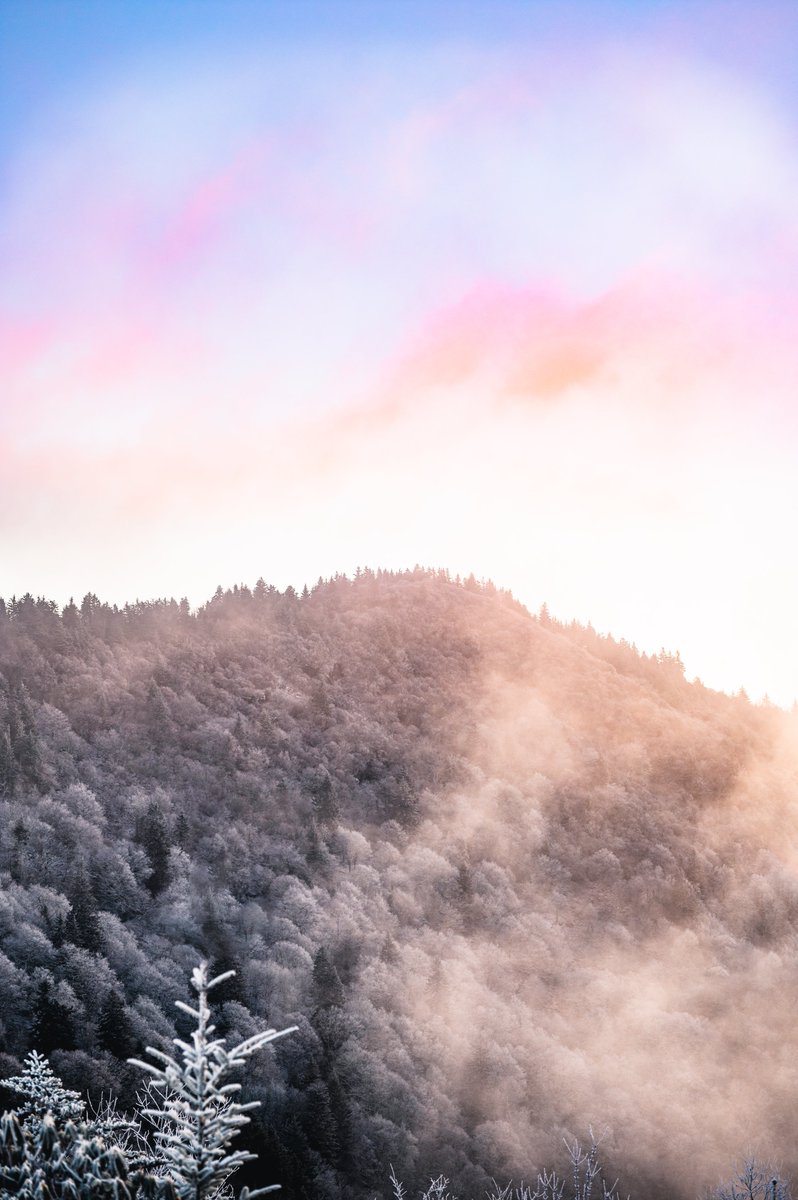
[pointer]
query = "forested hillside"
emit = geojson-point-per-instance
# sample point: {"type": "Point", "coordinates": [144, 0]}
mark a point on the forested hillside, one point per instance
{"type": "Point", "coordinates": [509, 878]}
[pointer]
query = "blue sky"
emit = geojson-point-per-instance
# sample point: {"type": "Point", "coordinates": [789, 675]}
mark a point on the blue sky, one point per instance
{"type": "Point", "coordinates": [508, 288]}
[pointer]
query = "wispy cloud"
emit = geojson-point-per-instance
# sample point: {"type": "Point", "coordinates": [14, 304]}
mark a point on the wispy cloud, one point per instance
{"type": "Point", "coordinates": [524, 309]}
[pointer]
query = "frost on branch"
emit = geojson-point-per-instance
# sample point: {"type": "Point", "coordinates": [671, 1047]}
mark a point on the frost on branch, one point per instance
{"type": "Point", "coordinates": [754, 1180]}
{"type": "Point", "coordinates": [49, 1161]}
{"type": "Point", "coordinates": [196, 1114]}
{"type": "Point", "coordinates": [43, 1092]}
{"type": "Point", "coordinates": [587, 1181]}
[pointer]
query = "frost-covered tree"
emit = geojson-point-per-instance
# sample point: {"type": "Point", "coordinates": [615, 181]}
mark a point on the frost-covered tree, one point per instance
{"type": "Point", "coordinates": [44, 1095]}
{"type": "Point", "coordinates": [53, 1162]}
{"type": "Point", "coordinates": [196, 1114]}
{"type": "Point", "coordinates": [50, 1148]}
{"type": "Point", "coordinates": [587, 1179]}
{"type": "Point", "coordinates": [753, 1180]}
{"type": "Point", "coordinates": [43, 1092]}
{"type": "Point", "coordinates": [116, 1128]}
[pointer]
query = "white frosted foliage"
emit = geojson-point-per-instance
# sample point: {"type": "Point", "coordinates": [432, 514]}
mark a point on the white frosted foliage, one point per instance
{"type": "Point", "coordinates": [197, 1114]}
{"type": "Point", "coordinates": [44, 1092]}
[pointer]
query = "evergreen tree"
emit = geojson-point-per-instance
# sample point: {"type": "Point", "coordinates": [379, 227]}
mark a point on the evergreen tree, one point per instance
{"type": "Point", "coordinates": [68, 1162]}
{"type": "Point", "coordinates": [69, 616]}
{"type": "Point", "coordinates": [319, 784]}
{"type": "Point", "coordinates": [320, 1125]}
{"type": "Point", "coordinates": [327, 987]}
{"type": "Point", "coordinates": [196, 1114]}
{"type": "Point", "coordinates": [154, 839]}
{"type": "Point", "coordinates": [317, 855]}
{"type": "Point", "coordinates": [159, 718]}
{"type": "Point", "coordinates": [8, 770]}
{"type": "Point", "coordinates": [54, 926]}
{"type": "Point", "coordinates": [52, 1027]}
{"type": "Point", "coordinates": [224, 966]}
{"type": "Point", "coordinates": [181, 831]}
{"type": "Point", "coordinates": [114, 1031]}
{"type": "Point", "coordinates": [23, 736]}
{"type": "Point", "coordinates": [43, 1092]}
{"type": "Point", "coordinates": [82, 927]}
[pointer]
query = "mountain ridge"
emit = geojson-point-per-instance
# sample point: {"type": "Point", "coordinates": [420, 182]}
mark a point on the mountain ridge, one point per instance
{"type": "Point", "coordinates": [403, 810]}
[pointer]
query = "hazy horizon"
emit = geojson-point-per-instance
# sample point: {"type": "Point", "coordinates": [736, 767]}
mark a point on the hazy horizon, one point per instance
{"type": "Point", "coordinates": [506, 288]}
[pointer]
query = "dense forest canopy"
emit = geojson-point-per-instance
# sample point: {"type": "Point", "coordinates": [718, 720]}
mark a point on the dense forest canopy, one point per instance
{"type": "Point", "coordinates": [508, 877]}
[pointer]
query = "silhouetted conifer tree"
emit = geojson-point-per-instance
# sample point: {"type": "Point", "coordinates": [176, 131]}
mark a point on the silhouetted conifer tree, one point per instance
{"type": "Point", "coordinates": [327, 987]}
{"type": "Point", "coordinates": [114, 1032]}
{"type": "Point", "coordinates": [8, 771]}
{"type": "Point", "coordinates": [320, 1125]}
{"type": "Point", "coordinates": [155, 842]}
{"type": "Point", "coordinates": [81, 926]}
{"type": "Point", "coordinates": [52, 1027]}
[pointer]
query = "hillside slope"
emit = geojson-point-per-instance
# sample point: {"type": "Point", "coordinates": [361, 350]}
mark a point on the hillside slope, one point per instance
{"type": "Point", "coordinates": [508, 877]}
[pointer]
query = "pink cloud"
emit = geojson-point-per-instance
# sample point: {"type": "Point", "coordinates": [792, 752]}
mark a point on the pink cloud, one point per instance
{"type": "Point", "coordinates": [515, 347]}
{"type": "Point", "coordinates": [23, 341]}
{"type": "Point", "coordinates": [626, 443]}
{"type": "Point", "coordinates": [645, 348]}
{"type": "Point", "coordinates": [538, 345]}
{"type": "Point", "coordinates": [212, 202]}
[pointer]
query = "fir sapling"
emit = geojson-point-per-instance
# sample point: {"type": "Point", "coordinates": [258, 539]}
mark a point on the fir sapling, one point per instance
{"type": "Point", "coordinates": [195, 1113]}
{"type": "Point", "coordinates": [43, 1092]}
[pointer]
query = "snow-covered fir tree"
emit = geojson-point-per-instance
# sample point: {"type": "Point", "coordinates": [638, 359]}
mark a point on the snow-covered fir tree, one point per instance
{"type": "Point", "coordinates": [52, 1148]}
{"type": "Point", "coordinates": [197, 1115]}
{"type": "Point", "coordinates": [43, 1092]}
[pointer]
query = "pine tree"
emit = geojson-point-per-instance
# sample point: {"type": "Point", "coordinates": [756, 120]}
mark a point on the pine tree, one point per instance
{"type": "Point", "coordinates": [82, 927]}
{"type": "Point", "coordinates": [7, 765]}
{"type": "Point", "coordinates": [23, 735]}
{"type": "Point", "coordinates": [320, 1124]}
{"type": "Point", "coordinates": [327, 987]}
{"type": "Point", "coordinates": [53, 1027]}
{"type": "Point", "coordinates": [154, 839]}
{"type": "Point", "coordinates": [181, 831]}
{"type": "Point", "coordinates": [43, 1092]}
{"type": "Point", "coordinates": [196, 1115]}
{"type": "Point", "coordinates": [68, 1162]}
{"type": "Point", "coordinates": [113, 1026]}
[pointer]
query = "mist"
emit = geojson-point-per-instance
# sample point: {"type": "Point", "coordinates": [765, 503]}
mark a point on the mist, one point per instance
{"type": "Point", "coordinates": [512, 880]}
{"type": "Point", "coordinates": [622, 859]}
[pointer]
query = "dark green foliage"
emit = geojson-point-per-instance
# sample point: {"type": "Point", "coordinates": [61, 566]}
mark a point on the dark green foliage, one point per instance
{"type": "Point", "coordinates": [25, 746]}
{"type": "Point", "coordinates": [320, 786]}
{"type": "Point", "coordinates": [193, 1104]}
{"type": "Point", "coordinates": [223, 962]}
{"type": "Point", "coordinates": [321, 1129]}
{"type": "Point", "coordinates": [54, 926]}
{"type": "Point", "coordinates": [19, 740]}
{"type": "Point", "coordinates": [181, 831]}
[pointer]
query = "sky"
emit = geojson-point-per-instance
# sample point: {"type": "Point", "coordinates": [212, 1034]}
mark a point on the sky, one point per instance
{"type": "Point", "coordinates": [288, 288]}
